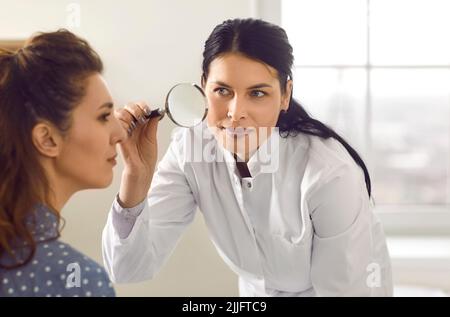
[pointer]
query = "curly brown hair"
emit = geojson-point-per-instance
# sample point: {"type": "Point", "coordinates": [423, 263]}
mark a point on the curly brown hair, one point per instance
{"type": "Point", "coordinates": [43, 81]}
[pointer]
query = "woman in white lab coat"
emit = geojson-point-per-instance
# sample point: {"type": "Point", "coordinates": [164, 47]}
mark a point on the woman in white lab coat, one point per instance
{"type": "Point", "coordinates": [291, 214]}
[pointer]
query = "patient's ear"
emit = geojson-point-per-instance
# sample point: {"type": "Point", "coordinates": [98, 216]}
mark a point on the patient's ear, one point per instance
{"type": "Point", "coordinates": [47, 139]}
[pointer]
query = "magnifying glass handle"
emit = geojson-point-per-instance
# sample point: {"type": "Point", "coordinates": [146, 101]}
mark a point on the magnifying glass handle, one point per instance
{"type": "Point", "coordinates": [158, 112]}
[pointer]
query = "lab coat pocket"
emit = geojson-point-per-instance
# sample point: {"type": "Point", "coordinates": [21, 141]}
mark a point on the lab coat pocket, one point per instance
{"type": "Point", "coordinates": [288, 263]}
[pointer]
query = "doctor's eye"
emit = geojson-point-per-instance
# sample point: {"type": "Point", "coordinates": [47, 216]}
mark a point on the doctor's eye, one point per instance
{"type": "Point", "coordinates": [222, 91]}
{"type": "Point", "coordinates": [258, 93]}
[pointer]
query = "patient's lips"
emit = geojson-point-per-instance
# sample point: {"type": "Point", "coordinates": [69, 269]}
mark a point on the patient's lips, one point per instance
{"type": "Point", "coordinates": [112, 160]}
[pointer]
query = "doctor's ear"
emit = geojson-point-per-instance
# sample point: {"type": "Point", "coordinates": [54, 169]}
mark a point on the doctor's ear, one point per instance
{"type": "Point", "coordinates": [203, 81]}
{"type": "Point", "coordinates": [286, 97]}
{"type": "Point", "coordinates": [47, 139]}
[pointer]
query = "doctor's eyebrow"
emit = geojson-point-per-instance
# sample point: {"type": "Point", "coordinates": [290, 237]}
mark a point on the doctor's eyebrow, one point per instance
{"type": "Point", "coordinates": [109, 105]}
{"type": "Point", "coordinates": [261, 85]}
{"type": "Point", "coordinates": [221, 83]}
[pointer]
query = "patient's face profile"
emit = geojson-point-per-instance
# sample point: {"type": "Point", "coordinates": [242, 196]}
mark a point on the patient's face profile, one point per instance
{"type": "Point", "coordinates": [242, 93]}
{"type": "Point", "coordinates": [89, 148]}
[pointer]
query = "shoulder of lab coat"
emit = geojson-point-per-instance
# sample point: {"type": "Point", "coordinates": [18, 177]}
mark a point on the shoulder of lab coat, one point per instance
{"type": "Point", "coordinates": [168, 210]}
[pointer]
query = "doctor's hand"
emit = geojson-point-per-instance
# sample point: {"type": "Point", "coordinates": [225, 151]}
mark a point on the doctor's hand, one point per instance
{"type": "Point", "coordinates": [139, 150]}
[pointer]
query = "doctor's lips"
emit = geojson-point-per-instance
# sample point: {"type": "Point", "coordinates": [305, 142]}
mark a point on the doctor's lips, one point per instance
{"type": "Point", "coordinates": [237, 131]}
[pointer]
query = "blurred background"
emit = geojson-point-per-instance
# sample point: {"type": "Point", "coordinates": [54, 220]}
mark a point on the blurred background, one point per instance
{"type": "Point", "coordinates": [378, 71]}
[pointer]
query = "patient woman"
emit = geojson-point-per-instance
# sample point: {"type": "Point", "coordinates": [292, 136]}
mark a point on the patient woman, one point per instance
{"type": "Point", "coordinates": [58, 135]}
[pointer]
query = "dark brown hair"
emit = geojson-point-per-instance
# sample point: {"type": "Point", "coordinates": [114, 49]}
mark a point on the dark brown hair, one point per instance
{"type": "Point", "coordinates": [43, 81]}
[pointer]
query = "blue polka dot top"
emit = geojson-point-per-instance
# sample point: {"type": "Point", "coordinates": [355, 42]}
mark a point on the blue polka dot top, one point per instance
{"type": "Point", "coordinates": [56, 269]}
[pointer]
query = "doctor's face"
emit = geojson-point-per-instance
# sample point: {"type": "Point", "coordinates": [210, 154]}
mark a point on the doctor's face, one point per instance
{"type": "Point", "coordinates": [88, 151]}
{"type": "Point", "coordinates": [245, 99]}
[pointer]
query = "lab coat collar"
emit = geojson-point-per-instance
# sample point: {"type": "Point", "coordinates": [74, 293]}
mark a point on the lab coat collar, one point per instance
{"type": "Point", "coordinates": [266, 158]}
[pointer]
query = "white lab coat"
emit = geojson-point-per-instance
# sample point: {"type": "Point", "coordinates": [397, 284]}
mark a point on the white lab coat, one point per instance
{"type": "Point", "coordinates": [301, 226]}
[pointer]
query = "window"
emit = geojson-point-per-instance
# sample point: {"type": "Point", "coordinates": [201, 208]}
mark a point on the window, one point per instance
{"type": "Point", "coordinates": [378, 71]}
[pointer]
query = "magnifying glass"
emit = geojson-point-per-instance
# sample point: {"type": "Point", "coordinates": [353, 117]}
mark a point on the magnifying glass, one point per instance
{"type": "Point", "coordinates": [185, 105]}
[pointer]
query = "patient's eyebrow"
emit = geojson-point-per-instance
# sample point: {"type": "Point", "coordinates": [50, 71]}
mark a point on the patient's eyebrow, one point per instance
{"type": "Point", "coordinates": [109, 105]}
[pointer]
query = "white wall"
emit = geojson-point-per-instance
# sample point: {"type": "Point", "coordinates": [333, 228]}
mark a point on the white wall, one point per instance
{"type": "Point", "coordinates": [147, 46]}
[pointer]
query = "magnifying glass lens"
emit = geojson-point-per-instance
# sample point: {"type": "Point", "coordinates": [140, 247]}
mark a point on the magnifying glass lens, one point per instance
{"type": "Point", "coordinates": [186, 105]}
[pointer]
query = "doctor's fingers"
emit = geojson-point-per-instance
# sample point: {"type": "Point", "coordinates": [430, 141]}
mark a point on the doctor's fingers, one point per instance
{"type": "Point", "coordinates": [138, 110]}
{"type": "Point", "coordinates": [125, 119]}
{"type": "Point", "coordinates": [132, 115]}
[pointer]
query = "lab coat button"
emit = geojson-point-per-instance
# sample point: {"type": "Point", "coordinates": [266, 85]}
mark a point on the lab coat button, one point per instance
{"type": "Point", "coordinates": [249, 184]}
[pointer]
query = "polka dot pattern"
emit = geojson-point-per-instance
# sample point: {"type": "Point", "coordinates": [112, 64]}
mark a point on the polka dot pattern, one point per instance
{"type": "Point", "coordinates": [56, 270]}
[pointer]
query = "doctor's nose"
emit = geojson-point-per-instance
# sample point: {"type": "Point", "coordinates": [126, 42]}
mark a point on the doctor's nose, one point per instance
{"type": "Point", "coordinates": [236, 111]}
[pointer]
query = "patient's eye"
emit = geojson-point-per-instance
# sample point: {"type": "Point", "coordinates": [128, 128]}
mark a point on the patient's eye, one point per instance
{"type": "Point", "coordinates": [104, 117]}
